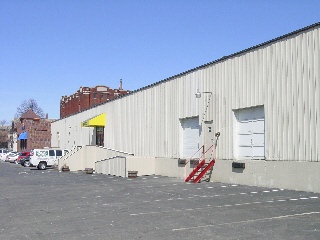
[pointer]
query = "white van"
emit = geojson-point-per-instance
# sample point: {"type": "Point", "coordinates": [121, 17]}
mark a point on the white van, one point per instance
{"type": "Point", "coordinates": [3, 154]}
{"type": "Point", "coordinates": [47, 157]}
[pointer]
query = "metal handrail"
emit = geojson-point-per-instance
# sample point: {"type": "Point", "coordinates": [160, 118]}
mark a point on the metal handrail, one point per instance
{"type": "Point", "coordinates": [203, 155]}
{"type": "Point", "coordinates": [202, 147]}
{"type": "Point", "coordinates": [202, 162]}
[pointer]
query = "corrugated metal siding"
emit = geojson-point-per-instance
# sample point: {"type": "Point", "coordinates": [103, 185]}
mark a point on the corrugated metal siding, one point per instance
{"type": "Point", "coordinates": [147, 122]}
{"type": "Point", "coordinates": [282, 75]}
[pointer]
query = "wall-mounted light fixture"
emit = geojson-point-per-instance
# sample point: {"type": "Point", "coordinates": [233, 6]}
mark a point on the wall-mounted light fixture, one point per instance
{"type": "Point", "coordinates": [198, 95]}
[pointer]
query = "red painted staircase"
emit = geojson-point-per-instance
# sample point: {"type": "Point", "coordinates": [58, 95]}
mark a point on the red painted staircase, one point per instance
{"type": "Point", "coordinates": [201, 169]}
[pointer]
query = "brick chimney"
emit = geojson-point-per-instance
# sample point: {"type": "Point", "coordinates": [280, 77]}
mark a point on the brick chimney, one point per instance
{"type": "Point", "coordinates": [120, 87]}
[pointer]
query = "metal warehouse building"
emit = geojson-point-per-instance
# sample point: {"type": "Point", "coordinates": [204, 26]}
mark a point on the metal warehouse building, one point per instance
{"type": "Point", "coordinates": [263, 101]}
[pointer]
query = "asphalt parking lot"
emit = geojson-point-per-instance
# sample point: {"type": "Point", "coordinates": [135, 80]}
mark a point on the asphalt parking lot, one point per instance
{"type": "Point", "coordinates": [49, 204]}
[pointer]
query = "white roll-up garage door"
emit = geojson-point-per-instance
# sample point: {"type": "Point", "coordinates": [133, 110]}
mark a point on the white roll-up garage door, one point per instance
{"type": "Point", "coordinates": [190, 140]}
{"type": "Point", "coordinates": [250, 133]}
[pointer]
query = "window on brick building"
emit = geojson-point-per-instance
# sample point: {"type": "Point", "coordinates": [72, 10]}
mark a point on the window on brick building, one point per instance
{"type": "Point", "coordinates": [95, 95]}
{"type": "Point", "coordinates": [101, 96]}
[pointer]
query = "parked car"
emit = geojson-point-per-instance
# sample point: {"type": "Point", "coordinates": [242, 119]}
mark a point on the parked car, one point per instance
{"type": "Point", "coordinates": [4, 154]}
{"type": "Point", "coordinates": [25, 161]}
{"type": "Point", "coordinates": [12, 157]}
{"type": "Point", "coordinates": [22, 155]}
{"type": "Point", "coordinates": [3, 150]}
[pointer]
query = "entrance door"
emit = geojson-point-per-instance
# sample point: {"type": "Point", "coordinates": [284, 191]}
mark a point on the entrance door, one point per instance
{"type": "Point", "coordinates": [190, 137]}
{"type": "Point", "coordinates": [99, 136]}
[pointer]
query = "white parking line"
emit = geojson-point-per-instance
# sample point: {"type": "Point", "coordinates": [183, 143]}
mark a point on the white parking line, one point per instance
{"type": "Point", "coordinates": [249, 221]}
{"type": "Point", "coordinates": [219, 206]}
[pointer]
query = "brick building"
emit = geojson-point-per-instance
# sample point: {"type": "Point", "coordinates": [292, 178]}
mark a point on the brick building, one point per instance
{"type": "Point", "coordinates": [33, 132]}
{"type": "Point", "coordinates": [87, 97]}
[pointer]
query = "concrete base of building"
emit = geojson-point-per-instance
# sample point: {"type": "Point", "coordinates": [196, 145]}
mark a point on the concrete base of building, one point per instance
{"type": "Point", "coordinates": [292, 175]}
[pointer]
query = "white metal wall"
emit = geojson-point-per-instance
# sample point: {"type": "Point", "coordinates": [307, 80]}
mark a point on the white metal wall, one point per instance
{"type": "Point", "coordinates": [282, 76]}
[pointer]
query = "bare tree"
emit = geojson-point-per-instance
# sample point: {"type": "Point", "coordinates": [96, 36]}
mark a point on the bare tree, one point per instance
{"type": "Point", "coordinates": [29, 104]}
{"type": "Point", "coordinates": [3, 136]}
{"type": "Point", "coordinates": [3, 123]}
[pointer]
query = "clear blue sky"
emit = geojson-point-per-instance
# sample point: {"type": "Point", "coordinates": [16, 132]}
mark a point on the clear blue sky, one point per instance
{"type": "Point", "coordinates": [50, 48]}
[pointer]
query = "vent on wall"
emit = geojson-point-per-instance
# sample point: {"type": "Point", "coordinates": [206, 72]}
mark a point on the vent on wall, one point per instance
{"type": "Point", "coordinates": [182, 161]}
{"type": "Point", "coordinates": [238, 165]}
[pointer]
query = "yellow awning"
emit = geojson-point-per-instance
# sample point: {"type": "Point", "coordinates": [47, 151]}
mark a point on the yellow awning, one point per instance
{"type": "Point", "coordinates": [97, 121]}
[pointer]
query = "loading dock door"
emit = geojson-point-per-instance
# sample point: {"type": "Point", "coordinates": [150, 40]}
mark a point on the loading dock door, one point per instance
{"type": "Point", "coordinates": [190, 137]}
{"type": "Point", "coordinates": [250, 133]}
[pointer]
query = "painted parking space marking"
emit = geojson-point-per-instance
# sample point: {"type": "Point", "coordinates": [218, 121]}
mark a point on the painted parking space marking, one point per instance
{"type": "Point", "coordinates": [221, 206]}
{"type": "Point", "coordinates": [250, 221]}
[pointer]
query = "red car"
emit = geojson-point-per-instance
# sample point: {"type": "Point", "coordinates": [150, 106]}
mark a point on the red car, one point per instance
{"type": "Point", "coordinates": [22, 155]}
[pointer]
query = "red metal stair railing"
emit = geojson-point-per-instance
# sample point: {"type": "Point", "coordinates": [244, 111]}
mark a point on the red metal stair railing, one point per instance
{"type": "Point", "coordinates": [202, 168]}
{"type": "Point", "coordinates": [195, 171]}
{"type": "Point", "coordinates": [193, 157]}
{"type": "Point", "coordinates": [204, 171]}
